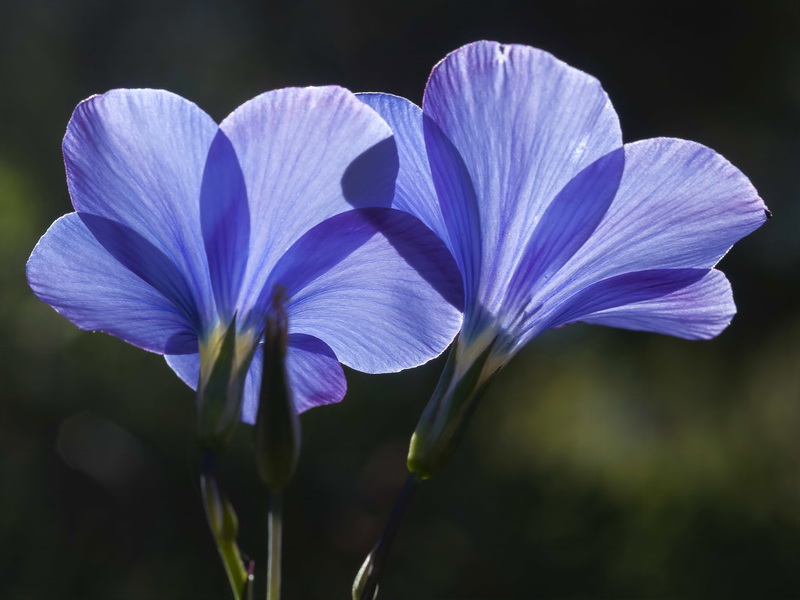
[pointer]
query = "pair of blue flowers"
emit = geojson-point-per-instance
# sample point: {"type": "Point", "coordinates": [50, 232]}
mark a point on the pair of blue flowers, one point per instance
{"type": "Point", "coordinates": [506, 206]}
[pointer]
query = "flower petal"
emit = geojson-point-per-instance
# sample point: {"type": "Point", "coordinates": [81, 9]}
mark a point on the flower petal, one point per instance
{"type": "Point", "coordinates": [414, 191]}
{"type": "Point", "coordinates": [688, 303]}
{"type": "Point", "coordinates": [524, 124]}
{"type": "Point", "coordinates": [460, 211]}
{"type": "Point", "coordinates": [186, 366]}
{"type": "Point", "coordinates": [679, 205]}
{"type": "Point", "coordinates": [146, 261]}
{"type": "Point", "coordinates": [569, 220]}
{"type": "Point", "coordinates": [307, 154]}
{"type": "Point", "coordinates": [71, 271]}
{"type": "Point", "coordinates": [376, 285]}
{"type": "Point", "coordinates": [314, 372]}
{"type": "Point", "coordinates": [225, 221]}
{"type": "Point", "coordinates": [137, 157]}
{"type": "Point", "coordinates": [316, 376]}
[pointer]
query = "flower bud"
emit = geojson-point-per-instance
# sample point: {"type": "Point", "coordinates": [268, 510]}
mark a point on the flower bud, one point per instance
{"type": "Point", "coordinates": [277, 431]}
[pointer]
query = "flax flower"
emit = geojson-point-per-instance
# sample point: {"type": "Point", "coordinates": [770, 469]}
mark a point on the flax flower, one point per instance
{"type": "Point", "coordinates": [184, 230]}
{"type": "Point", "coordinates": [516, 161]}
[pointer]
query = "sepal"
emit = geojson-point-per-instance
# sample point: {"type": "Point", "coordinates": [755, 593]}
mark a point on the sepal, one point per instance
{"type": "Point", "coordinates": [447, 413]}
{"type": "Point", "coordinates": [224, 361]}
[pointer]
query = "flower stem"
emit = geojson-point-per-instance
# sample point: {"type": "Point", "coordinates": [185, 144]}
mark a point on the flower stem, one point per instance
{"type": "Point", "coordinates": [275, 526]}
{"type": "Point", "coordinates": [224, 527]}
{"type": "Point", "coordinates": [365, 586]}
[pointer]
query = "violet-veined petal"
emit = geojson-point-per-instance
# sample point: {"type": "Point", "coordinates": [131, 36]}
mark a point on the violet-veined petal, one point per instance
{"type": "Point", "coordinates": [137, 157]}
{"type": "Point", "coordinates": [700, 310]}
{"type": "Point", "coordinates": [567, 223]}
{"type": "Point", "coordinates": [679, 205]}
{"type": "Point", "coordinates": [315, 375]}
{"type": "Point", "coordinates": [186, 366]}
{"type": "Point", "coordinates": [414, 192]}
{"type": "Point", "coordinates": [225, 222]}
{"type": "Point", "coordinates": [459, 205]}
{"type": "Point", "coordinates": [652, 289]}
{"type": "Point", "coordinates": [307, 154]}
{"type": "Point", "coordinates": [145, 260]}
{"type": "Point", "coordinates": [314, 372]}
{"type": "Point", "coordinates": [524, 123]}
{"type": "Point", "coordinates": [376, 285]}
{"type": "Point", "coordinates": [71, 271]}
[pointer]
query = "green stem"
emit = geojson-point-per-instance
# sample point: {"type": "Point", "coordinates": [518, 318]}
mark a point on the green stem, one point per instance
{"type": "Point", "coordinates": [275, 526]}
{"type": "Point", "coordinates": [224, 527]}
{"type": "Point", "coordinates": [365, 586]}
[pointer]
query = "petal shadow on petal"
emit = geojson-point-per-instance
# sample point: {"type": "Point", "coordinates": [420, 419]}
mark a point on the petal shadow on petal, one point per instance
{"type": "Point", "coordinates": [150, 264]}
{"type": "Point", "coordinates": [225, 221]}
{"type": "Point", "coordinates": [364, 184]}
{"type": "Point", "coordinates": [314, 254]}
{"type": "Point", "coordinates": [369, 180]}
{"type": "Point", "coordinates": [458, 203]}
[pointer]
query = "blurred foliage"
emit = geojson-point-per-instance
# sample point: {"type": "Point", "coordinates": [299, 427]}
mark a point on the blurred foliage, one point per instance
{"type": "Point", "coordinates": [602, 464]}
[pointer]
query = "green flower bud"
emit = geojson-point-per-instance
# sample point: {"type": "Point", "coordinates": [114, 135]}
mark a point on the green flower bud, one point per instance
{"type": "Point", "coordinates": [277, 431]}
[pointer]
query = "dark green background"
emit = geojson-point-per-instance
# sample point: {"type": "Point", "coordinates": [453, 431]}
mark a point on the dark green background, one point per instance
{"type": "Point", "coordinates": [602, 464]}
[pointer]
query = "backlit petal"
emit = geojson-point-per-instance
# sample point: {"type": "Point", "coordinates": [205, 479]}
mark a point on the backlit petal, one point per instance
{"type": "Point", "coordinates": [414, 192]}
{"type": "Point", "coordinates": [137, 157]}
{"type": "Point", "coordinates": [306, 154]}
{"type": "Point", "coordinates": [687, 303]}
{"type": "Point", "coordinates": [377, 286]}
{"type": "Point", "coordinates": [314, 372]}
{"type": "Point", "coordinates": [225, 221]}
{"type": "Point", "coordinates": [315, 375]}
{"type": "Point", "coordinates": [567, 223]}
{"type": "Point", "coordinates": [521, 124]}
{"type": "Point", "coordinates": [186, 367]}
{"type": "Point", "coordinates": [71, 271]}
{"type": "Point", "coordinates": [679, 205]}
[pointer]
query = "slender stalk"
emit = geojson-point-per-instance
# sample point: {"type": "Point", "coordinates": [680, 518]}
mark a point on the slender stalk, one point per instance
{"type": "Point", "coordinates": [224, 527]}
{"type": "Point", "coordinates": [275, 526]}
{"type": "Point", "coordinates": [249, 585]}
{"type": "Point", "coordinates": [365, 586]}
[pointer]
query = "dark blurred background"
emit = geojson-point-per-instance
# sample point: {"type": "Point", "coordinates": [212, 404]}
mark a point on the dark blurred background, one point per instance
{"type": "Point", "coordinates": [602, 463]}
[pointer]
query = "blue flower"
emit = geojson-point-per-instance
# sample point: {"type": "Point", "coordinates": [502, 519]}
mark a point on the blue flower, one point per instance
{"type": "Point", "coordinates": [516, 161]}
{"type": "Point", "coordinates": [184, 229]}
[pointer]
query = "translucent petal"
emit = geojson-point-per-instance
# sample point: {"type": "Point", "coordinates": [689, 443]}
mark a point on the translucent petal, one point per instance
{"type": "Point", "coordinates": [314, 372]}
{"type": "Point", "coordinates": [316, 376]}
{"type": "Point", "coordinates": [687, 303]}
{"type": "Point", "coordinates": [306, 154]}
{"type": "Point", "coordinates": [679, 205]}
{"type": "Point", "coordinates": [522, 125]}
{"type": "Point", "coordinates": [186, 366]}
{"type": "Point", "coordinates": [136, 157]}
{"type": "Point", "coordinates": [414, 191]}
{"type": "Point", "coordinates": [71, 271]}
{"type": "Point", "coordinates": [376, 285]}
{"type": "Point", "coordinates": [566, 225]}
{"type": "Point", "coordinates": [225, 221]}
